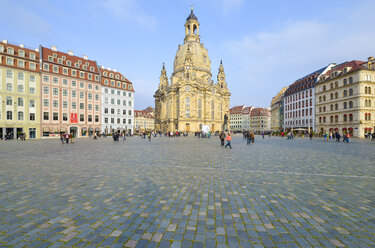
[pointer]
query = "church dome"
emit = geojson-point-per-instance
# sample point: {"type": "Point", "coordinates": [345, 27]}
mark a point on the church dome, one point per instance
{"type": "Point", "coordinates": [197, 54]}
{"type": "Point", "coordinates": [192, 16]}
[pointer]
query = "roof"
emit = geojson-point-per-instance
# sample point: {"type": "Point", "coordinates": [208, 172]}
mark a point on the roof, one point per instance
{"type": "Point", "coordinates": [119, 80]}
{"type": "Point", "coordinates": [338, 70]}
{"type": "Point", "coordinates": [278, 96]}
{"type": "Point", "coordinates": [260, 112]}
{"type": "Point", "coordinates": [16, 55]}
{"type": "Point", "coordinates": [305, 82]}
{"type": "Point", "coordinates": [236, 110]}
{"type": "Point", "coordinates": [141, 113]}
{"type": "Point", "coordinates": [246, 110]}
{"type": "Point", "coordinates": [192, 16]}
{"type": "Point", "coordinates": [77, 63]}
{"type": "Point", "coordinates": [149, 109]}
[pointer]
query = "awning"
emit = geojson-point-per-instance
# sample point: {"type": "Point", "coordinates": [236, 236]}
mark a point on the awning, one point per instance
{"type": "Point", "coordinates": [336, 129]}
{"type": "Point", "coordinates": [344, 128]}
{"type": "Point", "coordinates": [350, 128]}
{"type": "Point", "coordinates": [45, 129]}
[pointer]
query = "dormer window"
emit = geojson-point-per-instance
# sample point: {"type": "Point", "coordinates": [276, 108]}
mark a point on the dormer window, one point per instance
{"type": "Point", "coordinates": [87, 64]}
{"type": "Point", "coordinates": [10, 50]}
{"type": "Point", "coordinates": [92, 68]}
{"type": "Point", "coordinates": [84, 67]}
{"type": "Point", "coordinates": [105, 73]}
{"type": "Point", "coordinates": [59, 60]}
{"type": "Point", "coordinates": [63, 58]}
{"type": "Point", "coordinates": [111, 75]}
{"type": "Point", "coordinates": [76, 65]}
{"type": "Point", "coordinates": [50, 59]}
{"type": "Point", "coordinates": [80, 62]}
{"type": "Point", "coordinates": [122, 78]}
{"type": "Point", "coordinates": [21, 53]}
{"type": "Point", "coordinates": [55, 55]}
{"type": "Point", "coordinates": [68, 63]}
{"type": "Point", "coordinates": [345, 70]}
{"type": "Point", "coordinates": [1, 49]}
{"type": "Point", "coordinates": [117, 77]}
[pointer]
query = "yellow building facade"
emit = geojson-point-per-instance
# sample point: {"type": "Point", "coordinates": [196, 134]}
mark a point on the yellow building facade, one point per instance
{"type": "Point", "coordinates": [19, 92]}
{"type": "Point", "coordinates": [143, 121]}
{"type": "Point", "coordinates": [277, 123]}
{"type": "Point", "coordinates": [191, 99]}
{"type": "Point", "coordinates": [345, 99]}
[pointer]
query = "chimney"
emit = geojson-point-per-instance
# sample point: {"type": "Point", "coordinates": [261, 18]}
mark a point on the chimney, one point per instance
{"type": "Point", "coordinates": [36, 49]}
{"type": "Point", "coordinates": [114, 70]}
{"type": "Point", "coordinates": [85, 57]}
{"type": "Point", "coordinates": [109, 68]}
{"type": "Point", "coordinates": [21, 45]}
{"type": "Point", "coordinates": [5, 41]}
{"type": "Point", "coordinates": [102, 66]}
{"type": "Point", "coordinates": [54, 48]}
{"type": "Point", "coordinates": [70, 53]}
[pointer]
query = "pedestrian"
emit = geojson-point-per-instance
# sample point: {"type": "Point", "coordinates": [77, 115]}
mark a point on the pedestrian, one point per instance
{"type": "Point", "coordinates": [124, 138]}
{"type": "Point", "coordinates": [71, 138]}
{"type": "Point", "coordinates": [62, 138]}
{"type": "Point", "coordinates": [263, 135]}
{"type": "Point", "coordinates": [311, 135]}
{"type": "Point", "coordinates": [222, 138]}
{"type": "Point", "coordinates": [228, 139]}
{"type": "Point", "coordinates": [149, 136]}
{"type": "Point", "coordinates": [248, 138]}
{"type": "Point", "coordinates": [67, 136]}
{"type": "Point", "coordinates": [252, 137]}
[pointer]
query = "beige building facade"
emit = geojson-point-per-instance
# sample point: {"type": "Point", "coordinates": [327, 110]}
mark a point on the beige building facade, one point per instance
{"type": "Point", "coordinates": [345, 99]}
{"type": "Point", "coordinates": [144, 121]}
{"type": "Point", "coordinates": [191, 99]}
{"type": "Point", "coordinates": [277, 123]}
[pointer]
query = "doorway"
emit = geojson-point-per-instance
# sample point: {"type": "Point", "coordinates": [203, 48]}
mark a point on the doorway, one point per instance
{"type": "Point", "coordinates": [187, 127]}
{"type": "Point", "coordinates": [73, 131]}
{"type": "Point", "coordinates": [9, 132]}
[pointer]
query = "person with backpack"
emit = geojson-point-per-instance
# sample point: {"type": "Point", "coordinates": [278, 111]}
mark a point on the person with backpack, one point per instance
{"type": "Point", "coordinates": [222, 138]}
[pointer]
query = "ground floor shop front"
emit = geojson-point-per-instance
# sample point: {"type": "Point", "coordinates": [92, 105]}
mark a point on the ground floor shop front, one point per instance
{"type": "Point", "coordinates": [11, 132]}
{"type": "Point", "coordinates": [76, 131]}
{"type": "Point", "coordinates": [357, 131]}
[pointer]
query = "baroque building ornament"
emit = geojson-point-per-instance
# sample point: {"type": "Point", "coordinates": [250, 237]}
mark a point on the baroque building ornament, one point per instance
{"type": "Point", "coordinates": [191, 99]}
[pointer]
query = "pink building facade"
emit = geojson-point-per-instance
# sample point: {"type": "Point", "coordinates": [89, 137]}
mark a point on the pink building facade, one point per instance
{"type": "Point", "coordinates": [70, 94]}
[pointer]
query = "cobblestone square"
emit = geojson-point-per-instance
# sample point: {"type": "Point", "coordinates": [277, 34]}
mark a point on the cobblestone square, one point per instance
{"type": "Point", "coordinates": [187, 192]}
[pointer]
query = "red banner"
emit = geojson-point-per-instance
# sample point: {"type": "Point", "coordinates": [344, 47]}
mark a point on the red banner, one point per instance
{"type": "Point", "coordinates": [73, 118]}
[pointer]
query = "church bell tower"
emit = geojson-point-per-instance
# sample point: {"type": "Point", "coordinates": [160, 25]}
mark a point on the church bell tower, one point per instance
{"type": "Point", "coordinates": [192, 27]}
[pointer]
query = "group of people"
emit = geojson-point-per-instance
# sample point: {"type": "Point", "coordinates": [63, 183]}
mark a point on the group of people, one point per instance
{"type": "Point", "coordinates": [224, 138]}
{"type": "Point", "coordinates": [65, 137]}
{"type": "Point", "coordinates": [250, 137]}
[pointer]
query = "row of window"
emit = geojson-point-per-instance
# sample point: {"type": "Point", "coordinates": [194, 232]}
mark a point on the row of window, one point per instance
{"type": "Point", "coordinates": [9, 116]}
{"type": "Point", "coordinates": [55, 92]}
{"type": "Point", "coordinates": [299, 96]}
{"type": "Point", "coordinates": [69, 63]}
{"type": "Point", "coordinates": [113, 92]}
{"type": "Point", "coordinates": [298, 113]}
{"type": "Point", "coordinates": [336, 95]}
{"type": "Point", "coordinates": [336, 84]}
{"type": "Point", "coordinates": [55, 104]}
{"type": "Point", "coordinates": [299, 122]}
{"type": "Point", "coordinates": [335, 119]}
{"type": "Point", "coordinates": [119, 84]}
{"type": "Point", "coordinates": [297, 105]}
{"type": "Point", "coordinates": [118, 102]}
{"type": "Point", "coordinates": [20, 76]}
{"type": "Point", "coordinates": [20, 88]}
{"type": "Point", "coordinates": [65, 71]}
{"type": "Point", "coordinates": [112, 75]}
{"type": "Point", "coordinates": [106, 111]}
{"type": "Point", "coordinates": [118, 121]}
{"type": "Point", "coordinates": [20, 63]}
{"type": "Point", "coordinates": [55, 117]}
{"type": "Point", "coordinates": [336, 106]}
{"type": "Point", "coordinates": [20, 102]}
{"type": "Point", "coordinates": [65, 82]}
{"type": "Point", "coordinates": [21, 53]}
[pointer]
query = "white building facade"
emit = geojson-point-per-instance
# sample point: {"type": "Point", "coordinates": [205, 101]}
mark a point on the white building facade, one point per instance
{"type": "Point", "coordinates": [299, 101]}
{"type": "Point", "coordinates": [117, 107]}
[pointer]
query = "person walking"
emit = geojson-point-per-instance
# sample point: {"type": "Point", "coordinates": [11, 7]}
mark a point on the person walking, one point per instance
{"type": "Point", "coordinates": [248, 138]}
{"type": "Point", "coordinates": [62, 138]}
{"type": "Point", "coordinates": [222, 138]}
{"type": "Point", "coordinates": [67, 136]}
{"type": "Point", "coordinates": [228, 139]}
{"type": "Point", "coordinates": [311, 135]}
{"type": "Point", "coordinates": [149, 136]}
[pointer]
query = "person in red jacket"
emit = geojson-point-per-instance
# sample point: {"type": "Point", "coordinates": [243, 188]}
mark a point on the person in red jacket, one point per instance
{"type": "Point", "coordinates": [228, 139]}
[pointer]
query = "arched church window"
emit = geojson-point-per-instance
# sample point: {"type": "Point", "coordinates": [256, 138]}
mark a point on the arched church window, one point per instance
{"type": "Point", "coordinates": [212, 109]}
{"type": "Point", "coordinates": [187, 107]}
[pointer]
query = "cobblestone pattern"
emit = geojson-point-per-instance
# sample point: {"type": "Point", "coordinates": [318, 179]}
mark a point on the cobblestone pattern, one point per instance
{"type": "Point", "coordinates": [187, 192]}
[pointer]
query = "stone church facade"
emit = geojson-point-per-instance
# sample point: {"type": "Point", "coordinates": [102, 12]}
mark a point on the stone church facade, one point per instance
{"type": "Point", "coordinates": [191, 99]}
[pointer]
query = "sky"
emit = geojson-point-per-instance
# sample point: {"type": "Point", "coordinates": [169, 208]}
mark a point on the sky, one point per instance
{"type": "Point", "coordinates": [264, 45]}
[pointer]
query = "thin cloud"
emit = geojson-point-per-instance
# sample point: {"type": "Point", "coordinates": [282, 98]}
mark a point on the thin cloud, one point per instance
{"type": "Point", "coordinates": [273, 59]}
{"type": "Point", "coordinates": [129, 10]}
